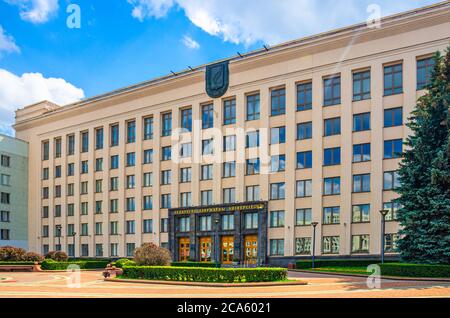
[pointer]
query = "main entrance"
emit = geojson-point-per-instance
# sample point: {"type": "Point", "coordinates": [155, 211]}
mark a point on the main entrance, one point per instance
{"type": "Point", "coordinates": [227, 249]}
{"type": "Point", "coordinates": [184, 245]}
{"type": "Point", "coordinates": [205, 249]}
{"type": "Point", "coordinates": [251, 249]}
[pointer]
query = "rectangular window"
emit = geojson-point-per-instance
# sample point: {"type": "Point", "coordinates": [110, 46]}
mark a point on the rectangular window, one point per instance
{"type": "Point", "coordinates": [114, 228]}
{"type": "Point", "coordinates": [205, 223]}
{"type": "Point", "coordinates": [114, 164]}
{"type": "Point", "coordinates": [58, 148]}
{"type": "Point", "coordinates": [332, 126]}
{"type": "Point", "coordinates": [148, 128]}
{"type": "Point", "coordinates": [70, 229]}
{"type": "Point", "coordinates": [166, 153]}
{"type": "Point", "coordinates": [84, 167]}
{"type": "Point", "coordinates": [45, 150]}
{"type": "Point", "coordinates": [361, 85]}
{"type": "Point", "coordinates": [130, 227]}
{"type": "Point", "coordinates": [393, 117]}
{"type": "Point", "coordinates": [332, 186]}
{"type": "Point", "coordinates": [252, 193]}
{"type": "Point", "coordinates": [229, 111]}
{"type": "Point", "coordinates": [6, 179]}
{"type": "Point", "coordinates": [4, 216]}
{"type": "Point", "coordinates": [5, 197]}
{"type": "Point", "coordinates": [253, 111]}
{"type": "Point", "coordinates": [57, 173]}
{"type": "Point", "coordinates": [277, 247]}
{"type": "Point", "coordinates": [390, 242]}
{"type": "Point", "coordinates": [229, 143]}
{"type": "Point", "coordinates": [70, 145]}
{"type": "Point", "coordinates": [278, 135]}
{"type": "Point", "coordinates": [130, 205]}
{"type": "Point", "coordinates": [393, 79]}
{"type": "Point", "coordinates": [147, 226]}
{"type": "Point", "coordinates": [148, 156]}
{"type": "Point", "coordinates": [114, 184]}
{"type": "Point", "coordinates": [184, 224]}
{"type": "Point", "coordinates": [114, 250]}
{"type": "Point", "coordinates": [99, 250]}
{"type": "Point", "coordinates": [130, 249]}
{"type": "Point", "coordinates": [57, 211]}
{"type": "Point", "coordinates": [99, 138]}
{"type": "Point", "coordinates": [185, 199]}
{"type": "Point", "coordinates": [147, 202]}
{"type": "Point", "coordinates": [99, 164]}
{"type": "Point", "coordinates": [252, 139]}
{"type": "Point", "coordinates": [131, 182]}
{"type": "Point", "coordinates": [131, 131]}
{"type": "Point", "coordinates": [70, 209]}
{"type": "Point", "coordinates": [304, 188]}
{"type": "Point", "coordinates": [424, 70]}
{"type": "Point", "coordinates": [303, 217]}
{"type": "Point", "coordinates": [227, 222]}
{"type": "Point", "coordinates": [276, 219]}
{"type": "Point", "coordinates": [303, 246]}
{"type": "Point", "coordinates": [45, 174]}
{"type": "Point", "coordinates": [229, 195]}
{"type": "Point", "coordinates": [332, 91]}
{"type": "Point", "coordinates": [330, 245]}
{"type": "Point", "coordinates": [361, 183]}
{"type": "Point", "coordinates": [360, 243]}
{"type": "Point", "coordinates": [304, 131]}
{"type": "Point", "coordinates": [185, 175]}
{"type": "Point", "coordinates": [70, 170]}
{"type": "Point", "coordinates": [278, 102]}
{"type": "Point", "coordinates": [331, 215]}
{"type": "Point", "coordinates": [70, 189]}
{"type": "Point", "coordinates": [278, 163]}
{"type": "Point", "coordinates": [186, 150]}
{"type": "Point", "coordinates": [332, 156]}
{"type": "Point", "coordinates": [208, 147]}
{"type": "Point", "coordinates": [57, 191]}
{"type": "Point", "coordinates": [361, 213]}
{"type": "Point", "coordinates": [207, 116]}
{"type": "Point", "coordinates": [391, 180]}
{"type": "Point", "coordinates": [84, 229]}
{"type": "Point", "coordinates": [304, 160]}
{"type": "Point", "coordinates": [45, 193]}
{"type": "Point", "coordinates": [207, 197]}
{"type": "Point", "coordinates": [114, 131]}
{"type": "Point", "coordinates": [166, 177]}
{"type": "Point", "coordinates": [164, 225]}
{"type": "Point", "coordinates": [98, 228]}
{"type": "Point", "coordinates": [186, 119]}
{"type": "Point", "coordinates": [361, 152]}
{"type": "Point", "coordinates": [229, 169]}
{"type": "Point", "coordinates": [84, 208]}
{"type": "Point", "coordinates": [166, 127]}
{"type": "Point", "coordinates": [361, 122]}
{"type": "Point", "coordinates": [5, 161]}
{"type": "Point", "coordinates": [392, 207]}
{"type": "Point", "coordinates": [131, 159]}
{"type": "Point", "coordinates": [252, 166]}
{"type": "Point", "coordinates": [251, 221]}
{"type": "Point", "coordinates": [393, 148]}
{"type": "Point", "coordinates": [207, 172]}
{"type": "Point", "coordinates": [277, 191]}
{"type": "Point", "coordinates": [114, 206]}
{"type": "Point", "coordinates": [148, 179]}
{"type": "Point", "coordinates": [85, 141]}
{"type": "Point", "coordinates": [304, 96]}
{"type": "Point", "coordinates": [166, 201]}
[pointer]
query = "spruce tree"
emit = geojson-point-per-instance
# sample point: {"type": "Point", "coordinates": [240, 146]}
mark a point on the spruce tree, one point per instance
{"type": "Point", "coordinates": [425, 174]}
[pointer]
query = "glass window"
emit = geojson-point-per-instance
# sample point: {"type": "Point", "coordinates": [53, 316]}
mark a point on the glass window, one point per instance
{"type": "Point", "coordinates": [99, 164]}
{"type": "Point", "coordinates": [229, 169]}
{"type": "Point", "coordinates": [330, 245]}
{"type": "Point", "coordinates": [207, 172]}
{"type": "Point", "coordinates": [5, 161]}
{"type": "Point", "coordinates": [84, 167]}
{"type": "Point", "coordinates": [228, 222]}
{"type": "Point", "coordinates": [332, 126]}
{"type": "Point", "coordinates": [393, 79]}
{"type": "Point", "coordinates": [424, 70]}
{"type": "Point", "coordinates": [304, 160]}
{"type": "Point", "coordinates": [332, 91]}
{"type": "Point", "coordinates": [206, 197]}
{"type": "Point", "coordinates": [392, 207]}
{"type": "Point", "coordinates": [253, 107]}
{"type": "Point", "coordinates": [166, 201]}
{"type": "Point", "coordinates": [184, 224]}
{"type": "Point", "coordinates": [303, 246]}
{"type": "Point", "coordinates": [85, 141]}
{"type": "Point", "coordinates": [361, 122]}
{"type": "Point", "coordinates": [229, 111]}
{"type": "Point", "coordinates": [148, 128]}
{"type": "Point", "coordinates": [251, 220]}
{"type": "Point", "coordinates": [361, 152]}
{"type": "Point", "coordinates": [114, 162]}
{"type": "Point", "coordinates": [304, 188]}
{"type": "Point", "coordinates": [361, 213]}
{"type": "Point", "coordinates": [166, 127]}
{"type": "Point", "coordinates": [148, 202]}
{"type": "Point", "coordinates": [99, 138]}
{"type": "Point", "coordinates": [186, 199]}
{"type": "Point", "coordinates": [131, 131]}
{"type": "Point", "coordinates": [229, 143]}
{"type": "Point", "coordinates": [208, 116]}
{"type": "Point", "coordinates": [276, 219]}
{"type": "Point", "coordinates": [131, 159]}
{"type": "Point", "coordinates": [278, 102]}
{"type": "Point", "coordinates": [186, 150]}
{"type": "Point", "coordinates": [304, 96]}
{"type": "Point", "coordinates": [114, 135]}
{"type": "Point", "coordinates": [391, 180]}
{"type": "Point", "coordinates": [361, 183]}
{"type": "Point", "coordinates": [393, 148]}
{"type": "Point", "coordinates": [229, 195]}
{"type": "Point", "coordinates": [278, 163]}
{"type": "Point", "coordinates": [131, 182]}
{"type": "Point", "coordinates": [277, 247]}
{"type": "Point", "coordinates": [148, 179]}
{"type": "Point", "coordinates": [277, 191]}
{"type": "Point", "coordinates": [164, 225]}
{"type": "Point", "coordinates": [114, 186]}
{"type": "Point", "coordinates": [166, 177]}
{"type": "Point", "coordinates": [252, 139]}
{"type": "Point", "coordinates": [208, 146]}
{"type": "Point", "coordinates": [252, 166]}
{"type": "Point", "coordinates": [186, 119]}
{"type": "Point", "coordinates": [70, 145]}
{"type": "Point", "coordinates": [393, 117]}
{"type": "Point", "coordinates": [303, 217]}
{"type": "Point", "coordinates": [45, 150]}
{"type": "Point", "coordinates": [332, 186]}
{"type": "Point", "coordinates": [166, 153]}
{"type": "Point", "coordinates": [278, 135]}
{"type": "Point", "coordinates": [360, 243]}
{"type": "Point", "coordinates": [148, 156]}
{"type": "Point", "coordinates": [390, 242]}
{"type": "Point", "coordinates": [205, 223]}
{"type": "Point", "coordinates": [148, 226]}
{"type": "Point", "coordinates": [130, 205]}
{"type": "Point", "coordinates": [331, 215]}
{"type": "Point", "coordinates": [252, 193]}
{"type": "Point", "coordinates": [361, 85]}
{"type": "Point", "coordinates": [304, 131]}
{"type": "Point", "coordinates": [185, 175]}
{"type": "Point", "coordinates": [58, 148]}
{"type": "Point", "coordinates": [332, 156]}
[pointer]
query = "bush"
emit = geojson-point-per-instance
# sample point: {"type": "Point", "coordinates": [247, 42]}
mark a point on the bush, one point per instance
{"type": "Point", "coordinates": [124, 262]}
{"type": "Point", "coordinates": [10, 253]}
{"type": "Point", "coordinates": [195, 264]}
{"type": "Point", "coordinates": [336, 263]}
{"type": "Point", "coordinates": [150, 254]}
{"type": "Point", "coordinates": [49, 264]}
{"type": "Point", "coordinates": [7, 263]}
{"type": "Point", "coordinates": [415, 270]}
{"type": "Point", "coordinates": [34, 257]}
{"type": "Point", "coordinates": [209, 275]}
{"type": "Point", "coordinates": [58, 256]}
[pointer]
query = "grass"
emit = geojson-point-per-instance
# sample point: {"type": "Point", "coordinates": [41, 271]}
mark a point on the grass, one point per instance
{"type": "Point", "coordinates": [344, 270]}
{"type": "Point", "coordinates": [190, 281]}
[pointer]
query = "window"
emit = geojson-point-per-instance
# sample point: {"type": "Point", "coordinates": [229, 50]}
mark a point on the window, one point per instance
{"type": "Point", "coordinates": [361, 152]}
{"type": "Point", "coordinates": [207, 172]}
{"type": "Point", "coordinates": [361, 213]}
{"type": "Point", "coordinates": [206, 197]}
{"type": "Point", "coordinates": [208, 147]}
{"type": "Point", "coordinates": [330, 245]}
{"type": "Point", "coordinates": [278, 102]}
{"type": "Point", "coordinates": [85, 250]}
{"type": "Point", "coordinates": [70, 189]}
{"type": "Point", "coordinates": [229, 143]}
{"type": "Point", "coordinates": [4, 235]}
{"type": "Point", "coordinates": [84, 208]}
{"type": "Point", "coordinates": [278, 163]}
{"type": "Point", "coordinates": [361, 183]}
{"type": "Point", "coordinates": [6, 179]}
{"type": "Point", "coordinates": [99, 138]}
{"type": "Point", "coordinates": [166, 153]}
{"type": "Point", "coordinates": [84, 167]}
{"type": "Point", "coordinates": [70, 209]}
{"type": "Point", "coordinates": [186, 119]}
{"type": "Point", "coordinates": [303, 246]}
{"type": "Point", "coordinates": [70, 229]}
{"type": "Point", "coordinates": [5, 161]}
{"type": "Point", "coordinates": [332, 156]}
{"type": "Point", "coordinates": [332, 126]}
{"type": "Point", "coordinates": [57, 175]}
{"type": "Point", "coordinates": [114, 184]}
{"type": "Point", "coordinates": [229, 195]}
{"type": "Point", "coordinates": [99, 250]}
{"type": "Point", "coordinates": [148, 179]}
{"type": "Point", "coordinates": [393, 117]}
{"type": "Point", "coordinates": [185, 199]}
{"type": "Point", "coordinates": [99, 164]}
{"type": "Point", "coordinates": [303, 217]}
{"type": "Point", "coordinates": [252, 166]}
{"type": "Point", "coordinates": [278, 135]}
{"type": "Point", "coordinates": [45, 174]}
{"type": "Point", "coordinates": [130, 205]}
{"type": "Point", "coordinates": [70, 170]}
{"type": "Point", "coordinates": [227, 222]}
{"type": "Point", "coordinates": [331, 215]}
{"type": "Point", "coordinates": [252, 139]}
{"type": "Point", "coordinates": [45, 194]}
{"type": "Point", "coordinates": [277, 191]}
{"type": "Point", "coordinates": [166, 177]}
{"type": "Point", "coordinates": [424, 70]}
{"type": "Point", "coordinates": [253, 107]}
{"type": "Point", "coordinates": [84, 229]}
{"type": "Point", "coordinates": [45, 150]}
{"type": "Point", "coordinates": [361, 85]}
{"type": "Point", "coordinates": [98, 228]}
{"type": "Point", "coordinates": [147, 226]}
{"type": "Point", "coordinates": [393, 148]}
{"type": "Point", "coordinates": [164, 226]}
{"type": "Point", "coordinates": [45, 231]}
{"type": "Point", "coordinates": [205, 223]}
{"type": "Point", "coordinates": [251, 221]}
{"type": "Point", "coordinates": [114, 162]}
{"type": "Point", "coordinates": [5, 197]}
{"type": "Point", "coordinates": [391, 180]}
{"type": "Point", "coordinates": [130, 227]}
{"type": "Point", "coordinates": [58, 148]}
{"type": "Point", "coordinates": [277, 247]}
{"type": "Point", "coordinates": [70, 145]}
{"type": "Point", "coordinates": [332, 91]}
{"type": "Point", "coordinates": [390, 242]}
{"type": "Point", "coordinates": [57, 191]}
{"type": "Point", "coordinates": [114, 249]}
{"type": "Point", "coordinates": [148, 156]}
{"type": "Point", "coordinates": [252, 193]}
{"type": "Point", "coordinates": [304, 96]}
{"type": "Point", "coordinates": [130, 249]}
{"type": "Point", "coordinates": [148, 128]}
{"type": "Point", "coordinates": [166, 201]}
{"type": "Point", "coordinates": [186, 150]}
{"type": "Point", "coordinates": [360, 243]}
{"type": "Point", "coordinates": [332, 186]}
{"type": "Point", "coordinates": [229, 169]}
{"type": "Point", "coordinates": [184, 224]}
{"type": "Point", "coordinates": [207, 116]}
{"type": "Point", "coordinates": [361, 122]}
{"type": "Point", "coordinates": [392, 207]}
{"type": "Point", "coordinates": [148, 202]}
{"type": "Point", "coordinates": [229, 111]}
{"type": "Point", "coordinates": [4, 216]}
{"type": "Point", "coordinates": [131, 131]}
{"type": "Point", "coordinates": [185, 175]}
{"type": "Point", "coordinates": [276, 219]}
{"type": "Point", "coordinates": [304, 131]}
{"type": "Point", "coordinates": [393, 79]}
{"type": "Point", "coordinates": [114, 206]}
{"type": "Point", "coordinates": [57, 211]}
{"type": "Point", "coordinates": [131, 182]}
{"type": "Point", "coordinates": [304, 188]}
{"type": "Point", "coordinates": [131, 159]}
{"type": "Point", "coordinates": [114, 131]}
{"type": "Point", "coordinates": [304, 160]}
{"type": "Point", "coordinates": [166, 124]}
{"type": "Point", "coordinates": [114, 228]}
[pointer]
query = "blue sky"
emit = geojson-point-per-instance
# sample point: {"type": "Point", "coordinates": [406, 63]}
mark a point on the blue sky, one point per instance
{"type": "Point", "coordinates": [122, 42]}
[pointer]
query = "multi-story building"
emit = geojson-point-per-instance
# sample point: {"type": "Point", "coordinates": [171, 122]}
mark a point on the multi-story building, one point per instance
{"type": "Point", "coordinates": [306, 131]}
{"type": "Point", "coordinates": [14, 192]}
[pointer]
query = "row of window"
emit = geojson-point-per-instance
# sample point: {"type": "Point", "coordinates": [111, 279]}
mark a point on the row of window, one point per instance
{"type": "Point", "coordinates": [84, 249]}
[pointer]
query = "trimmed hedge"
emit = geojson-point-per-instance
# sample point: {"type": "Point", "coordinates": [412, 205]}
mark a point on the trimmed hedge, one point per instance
{"type": "Point", "coordinates": [17, 263]}
{"type": "Point", "coordinates": [124, 262]}
{"type": "Point", "coordinates": [195, 264]}
{"type": "Point", "coordinates": [208, 275]}
{"type": "Point", "coordinates": [336, 263]}
{"type": "Point", "coordinates": [49, 264]}
{"type": "Point", "coordinates": [415, 270]}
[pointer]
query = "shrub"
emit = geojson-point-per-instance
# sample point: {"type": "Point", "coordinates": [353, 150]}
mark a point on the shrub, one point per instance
{"type": "Point", "coordinates": [10, 253]}
{"type": "Point", "coordinates": [58, 256]}
{"type": "Point", "coordinates": [336, 263]}
{"type": "Point", "coordinates": [124, 262]}
{"type": "Point", "coordinates": [195, 264]}
{"type": "Point", "coordinates": [210, 275]}
{"type": "Point", "coordinates": [49, 264]}
{"type": "Point", "coordinates": [150, 254]}
{"type": "Point", "coordinates": [415, 270]}
{"type": "Point", "coordinates": [33, 257]}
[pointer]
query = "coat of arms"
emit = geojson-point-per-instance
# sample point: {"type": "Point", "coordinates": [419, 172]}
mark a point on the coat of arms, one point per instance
{"type": "Point", "coordinates": [217, 79]}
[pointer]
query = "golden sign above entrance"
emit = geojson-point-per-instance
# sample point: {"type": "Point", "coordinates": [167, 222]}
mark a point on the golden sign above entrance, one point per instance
{"type": "Point", "coordinates": [218, 209]}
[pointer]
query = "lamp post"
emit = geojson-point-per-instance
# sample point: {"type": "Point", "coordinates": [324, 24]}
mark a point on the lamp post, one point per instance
{"type": "Point", "coordinates": [58, 235]}
{"type": "Point", "coordinates": [73, 235]}
{"type": "Point", "coordinates": [216, 240]}
{"type": "Point", "coordinates": [383, 229]}
{"type": "Point", "coordinates": [314, 224]}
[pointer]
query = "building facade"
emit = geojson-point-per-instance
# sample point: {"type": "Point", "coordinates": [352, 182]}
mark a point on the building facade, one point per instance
{"type": "Point", "coordinates": [14, 192]}
{"type": "Point", "coordinates": [311, 129]}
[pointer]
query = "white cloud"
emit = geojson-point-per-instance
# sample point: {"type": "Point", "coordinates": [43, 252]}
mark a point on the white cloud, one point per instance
{"type": "Point", "coordinates": [268, 21]}
{"type": "Point", "coordinates": [19, 91]}
{"type": "Point", "coordinates": [7, 43]}
{"type": "Point", "coordinates": [35, 11]}
{"type": "Point", "coordinates": [190, 42]}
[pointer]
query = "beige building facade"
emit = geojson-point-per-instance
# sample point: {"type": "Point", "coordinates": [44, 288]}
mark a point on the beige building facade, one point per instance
{"type": "Point", "coordinates": [330, 112]}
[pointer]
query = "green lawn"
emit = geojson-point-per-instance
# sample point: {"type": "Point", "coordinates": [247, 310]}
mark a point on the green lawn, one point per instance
{"type": "Point", "coordinates": [344, 270]}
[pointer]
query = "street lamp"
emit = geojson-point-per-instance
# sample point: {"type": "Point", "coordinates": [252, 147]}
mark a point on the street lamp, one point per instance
{"type": "Point", "coordinates": [73, 235]}
{"type": "Point", "coordinates": [58, 229]}
{"type": "Point", "coordinates": [383, 230]}
{"type": "Point", "coordinates": [314, 224]}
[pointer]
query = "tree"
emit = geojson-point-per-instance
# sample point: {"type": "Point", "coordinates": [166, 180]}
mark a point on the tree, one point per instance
{"type": "Point", "coordinates": [425, 174]}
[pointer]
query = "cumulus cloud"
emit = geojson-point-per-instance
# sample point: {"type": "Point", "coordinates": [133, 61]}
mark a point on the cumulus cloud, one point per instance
{"type": "Point", "coordinates": [268, 21]}
{"type": "Point", "coordinates": [19, 91]}
{"type": "Point", "coordinates": [190, 42]}
{"type": "Point", "coordinates": [35, 11]}
{"type": "Point", "coordinates": [7, 43]}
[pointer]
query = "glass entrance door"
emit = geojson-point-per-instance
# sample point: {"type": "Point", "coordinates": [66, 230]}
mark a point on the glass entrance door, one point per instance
{"type": "Point", "coordinates": [184, 249]}
{"type": "Point", "coordinates": [251, 249]}
{"type": "Point", "coordinates": [227, 249]}
{"type": "Point", "coordinates": [205, 249]}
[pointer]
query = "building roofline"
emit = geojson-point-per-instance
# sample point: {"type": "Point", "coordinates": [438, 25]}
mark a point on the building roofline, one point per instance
{"type": "Point", "coordinates": [13, 138]}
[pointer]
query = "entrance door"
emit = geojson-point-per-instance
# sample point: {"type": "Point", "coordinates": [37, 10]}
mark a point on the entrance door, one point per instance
{"type": "Point", "coordinates": [183, 249]}
{"type": "Point", "coordinates": [251, 249]}
{"type": "Point", "coordinates": [205, 249]}
{"type": "Point", "coordinates": [227, 249]}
